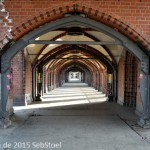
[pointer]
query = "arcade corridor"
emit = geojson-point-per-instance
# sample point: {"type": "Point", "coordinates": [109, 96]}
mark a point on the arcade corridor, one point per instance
{"type": "Point", "coordinates": [46, 45]}
{"type": "Point", "coordinates": [75, 74]}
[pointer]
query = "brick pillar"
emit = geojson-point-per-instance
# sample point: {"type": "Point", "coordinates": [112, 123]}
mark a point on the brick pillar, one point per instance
{"type": "Point", "coordinates": [121, 79]}
{"type": "Point", "coordinates": [28, 81]}
{"type": "Point", "coordinates": [104, 81]}
{"type": "Point", "coordinates": [18, 80]}
{"type": "Point", "coordinates": [52, 79]}
{"type": "Point", "coordinates": [48, 80]}
{"type": "Point", "coordinates": [44, 80]}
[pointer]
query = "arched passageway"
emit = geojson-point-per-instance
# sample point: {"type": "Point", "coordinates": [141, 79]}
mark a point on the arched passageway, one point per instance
{"type": "Point", "coordinates": [79, 44]}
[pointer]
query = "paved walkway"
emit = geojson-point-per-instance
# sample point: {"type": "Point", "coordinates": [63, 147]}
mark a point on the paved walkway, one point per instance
{"type": "Point", "coordinates": [75, 117]}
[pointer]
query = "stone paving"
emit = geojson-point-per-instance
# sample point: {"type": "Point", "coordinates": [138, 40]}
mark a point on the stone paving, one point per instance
{"type": "Point", "coordinates": [74, 117]}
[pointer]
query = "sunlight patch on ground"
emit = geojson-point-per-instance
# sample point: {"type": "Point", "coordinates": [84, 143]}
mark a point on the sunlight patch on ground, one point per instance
{"type": "Point", "coordinates": [64, 96]}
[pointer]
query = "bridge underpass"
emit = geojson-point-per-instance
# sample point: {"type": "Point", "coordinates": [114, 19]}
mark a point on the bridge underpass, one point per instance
{"type": "Point", "coordinates": [105, 59]}
{"type": "Point", "coordinates": [75, 73]}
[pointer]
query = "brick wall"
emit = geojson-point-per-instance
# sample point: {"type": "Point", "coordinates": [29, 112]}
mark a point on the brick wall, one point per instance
{"type": "Point", "coordinates": [28, 14]}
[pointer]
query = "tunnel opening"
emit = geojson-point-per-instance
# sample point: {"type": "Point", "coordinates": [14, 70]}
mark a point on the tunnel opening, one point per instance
{"type": "Point", "coordinates": [74, 76]}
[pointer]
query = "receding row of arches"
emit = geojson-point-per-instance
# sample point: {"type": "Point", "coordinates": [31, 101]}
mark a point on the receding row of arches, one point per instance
{"type": "Point", "coordinates": [78, 49]}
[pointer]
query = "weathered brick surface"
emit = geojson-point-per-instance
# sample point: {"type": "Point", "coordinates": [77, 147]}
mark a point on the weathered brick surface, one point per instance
{"type": "Point", "coordinates": [121, 80]}
{"type": "Point", "coordinates": [131, 17]}
{"type": "Point", "coordinates": [28, 76]}
{"type": "Point", "coordinates": [18, 79]}
{"type": "Point", "coordinates": [5, 25]}
{"type": "Point", "coordinates": [28, 79]}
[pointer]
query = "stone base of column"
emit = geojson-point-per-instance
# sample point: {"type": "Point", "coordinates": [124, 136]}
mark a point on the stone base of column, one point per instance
{"type": "Point", "coordinates": [6, 123]}
{"type": "Point", "coordinates": [10, 112]}
{"type": "Point", "coordinates": [144, 123]}
{"type": "Point", "coordinates": [38, 98]}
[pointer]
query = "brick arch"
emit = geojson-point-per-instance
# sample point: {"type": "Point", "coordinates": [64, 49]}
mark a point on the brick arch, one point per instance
{"type": "Point", "coordinates": [22, 42]}
{"type": "Point", "coordinates": [47, 16]}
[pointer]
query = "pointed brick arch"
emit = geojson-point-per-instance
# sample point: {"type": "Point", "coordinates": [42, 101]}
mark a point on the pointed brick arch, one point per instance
{"type": "Point", "coordinates": [47, 16]}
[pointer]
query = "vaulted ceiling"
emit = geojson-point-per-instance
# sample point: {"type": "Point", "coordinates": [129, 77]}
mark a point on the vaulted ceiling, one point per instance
{"type": "Point", "coordinates": [51, 54]}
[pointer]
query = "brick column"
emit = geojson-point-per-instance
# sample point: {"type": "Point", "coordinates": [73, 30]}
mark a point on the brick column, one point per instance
{"type": "Point", "coordinates": [18, 80]}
